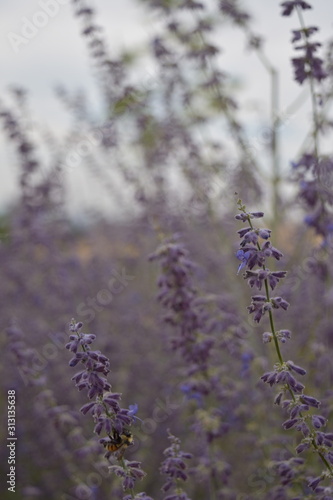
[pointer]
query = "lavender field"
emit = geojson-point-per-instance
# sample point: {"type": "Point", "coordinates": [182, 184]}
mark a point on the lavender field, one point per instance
{"type": "Point", "coordinates": [172, 337]}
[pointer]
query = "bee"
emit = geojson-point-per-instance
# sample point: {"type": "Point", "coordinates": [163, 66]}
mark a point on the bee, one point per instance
{"type": "Point", "coordinates": [118, 443]}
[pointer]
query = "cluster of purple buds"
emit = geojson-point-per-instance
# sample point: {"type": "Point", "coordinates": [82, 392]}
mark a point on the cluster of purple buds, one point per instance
{"type": "Point", "coordinates": [129, 475]}
{"type": "Point", "coordinates": [232, 10]}
{"type": "Point", "coordinates": [315, 190]}
{"type": "Point", "coordinates": [138, 496]}
{"type": "Point", "coordinates": [174, 467]}
{"type": "Point", "coordinates": [308, 65]}
{"type": "Point", "coordinates": [287, 470]}
{"type": "Point", "coordinates": [105, 408]}
{"type": "Point", "coordinates": [260, 305]}
{"type": "Point", "coordinates": [179, 296]}
{"type": "Point", "coordinates": [251, 254]}
{"type": "Point", "coordinates": [291, 397]}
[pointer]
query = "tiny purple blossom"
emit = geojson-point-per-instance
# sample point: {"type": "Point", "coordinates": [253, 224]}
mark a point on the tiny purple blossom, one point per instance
{"type": "Point", "coordinates": [307, 32]}
{"type": "Point", "coordinates": [296, 368]}
{"type": "Point", "coordinates": [244, 257]}
{"type": "Point", "coordinates": [318, 421]}
{"type": "Point", "coordinates": [245, 216]}
{"type": "Point", "coordinates": [290, 5]}
{"type": "Point", "coordinates": [314, 483]}
{"type": "Point", "coordinates": [288, 424]}
{"type": "Point", "coordinates": [303, 446]}
{"type": "Point", "coordinates": [267, 337]}
{"type": "Point", "coordinates": [278, 398]}
{"type": "Point", "coordinates": [283, 335]}
{"type": "Point", "coordinates": [309, 400]}
{"type": "Point", "coordinates": [174, 466]}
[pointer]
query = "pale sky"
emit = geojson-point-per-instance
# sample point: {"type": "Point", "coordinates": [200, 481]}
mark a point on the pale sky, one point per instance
{"type": "Point", "coordinates": [56, 54]}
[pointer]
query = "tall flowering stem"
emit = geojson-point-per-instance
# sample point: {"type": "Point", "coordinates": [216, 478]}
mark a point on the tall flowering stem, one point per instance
{"type": "Point", "coordinates": [253, 256]}
{"type": "Point", "coordinates": [203, 325]}
{"type": "Point", "coordinates": [105, 408]}
{"type": "Point", "coordinates": [308, 66]}
{"type": "Point", "coordinates": [313, 170]}
{"type": "Point", "coordinates": [174, 467]}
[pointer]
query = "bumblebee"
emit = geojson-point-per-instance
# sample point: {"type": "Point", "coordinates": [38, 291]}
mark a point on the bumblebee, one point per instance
{"type": "Point", "coordinates": [118, 443]}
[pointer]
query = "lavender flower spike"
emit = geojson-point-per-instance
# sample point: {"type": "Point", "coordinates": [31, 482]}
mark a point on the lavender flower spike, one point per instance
{"type": "Point", "coordinates": [290, 391]}
{"type": "Point", "coordinates": [174, 467]}
{"type": "Point", "coordinates": [105, 408]}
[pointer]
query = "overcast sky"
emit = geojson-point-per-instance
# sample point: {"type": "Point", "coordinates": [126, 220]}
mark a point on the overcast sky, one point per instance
{"type": "Point", "coordinates": [56, 54]}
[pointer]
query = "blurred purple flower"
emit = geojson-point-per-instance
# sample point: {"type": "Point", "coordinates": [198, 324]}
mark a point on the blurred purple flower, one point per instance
{"type": "Point", "coordinates": [174, 467]}
{"type": "Point", "coordinates": [244, 257]}
{"type": "Point", "coordinates": [289, 6]}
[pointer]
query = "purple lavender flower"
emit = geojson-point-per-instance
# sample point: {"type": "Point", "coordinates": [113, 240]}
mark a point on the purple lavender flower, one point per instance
{"type": "Point", "coordinates": [289, 6]}
{"type": "Point", "coordinates": [314, 483]}
{"type": "Point", "coordinates": [179, 296]}
{"type": "Point", "coordinates": [307, 32]}
{"type": "Point", "coordinates": [174, 467]}
{"type": "Point", "coordinates": [244, 257]}
{"type": "Point", "coordinates": [308, 65]}
{"type": "Point", "coordinates": [139, 496]}
{"type": "Point", "coordinates": [288, 469]}
{"type": "Point", "coordinates": [299, 404]}
{"type": "Point", "coordinates": [105, 409]}
{"type": "Point", "coordinates": [200, 337]}
{"type": "Point", "coordinates": [313, 175]}
{"type": "Point", "coordinates": [129, 472]}
{"type": "Point", "coordinates": [232, 10]}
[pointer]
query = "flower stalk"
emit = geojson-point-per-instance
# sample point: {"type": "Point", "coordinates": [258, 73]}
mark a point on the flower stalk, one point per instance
{"type": "Point", "coordinates": [252, 254]}
{"type": "Point", "coordinates": [105, 408]}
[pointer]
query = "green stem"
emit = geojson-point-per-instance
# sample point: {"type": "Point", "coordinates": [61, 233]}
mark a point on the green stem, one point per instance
{"type": "Point", "coordinates": [271, 320]}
